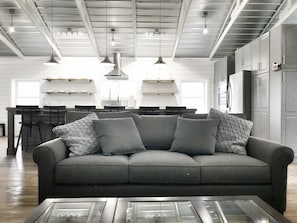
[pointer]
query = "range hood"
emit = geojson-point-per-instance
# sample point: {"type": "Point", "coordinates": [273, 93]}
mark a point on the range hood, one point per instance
{"type": "Point", "coordinates": [117, 73]}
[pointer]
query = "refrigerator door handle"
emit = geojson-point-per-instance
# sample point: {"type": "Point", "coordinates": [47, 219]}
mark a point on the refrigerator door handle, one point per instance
{"type": "Point", "coordinates": [229, 96]}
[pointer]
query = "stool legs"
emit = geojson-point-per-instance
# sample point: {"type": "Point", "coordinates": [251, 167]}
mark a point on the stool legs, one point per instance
{"type": "Point", "coordinates": [28, 135]}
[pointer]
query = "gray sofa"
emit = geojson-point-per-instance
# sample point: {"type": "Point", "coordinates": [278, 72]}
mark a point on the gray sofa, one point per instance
{"type": "Point", "coordinates": [160, 172]}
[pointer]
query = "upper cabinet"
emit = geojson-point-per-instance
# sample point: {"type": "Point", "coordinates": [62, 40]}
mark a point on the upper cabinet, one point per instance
{"type": "Point", "coordinates": [263, 53]}
{"type": "Point", "coordinates": [289, 45]}
{"type": "Point", "coordinates": [253, 56]}
{"type": "Point", "coordinates": [243, 58]}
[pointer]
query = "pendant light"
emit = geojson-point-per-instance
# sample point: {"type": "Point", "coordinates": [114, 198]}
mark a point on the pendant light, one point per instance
{"type": "Point", "coordinates": [52, 60]}
{"type": "Point", "coordinates": [160, 60]}
{"type": "Point", "coordinates": [113, 43]}
{"type": "Point", "coordinates": [205, 30]}
{"type": "Point", "coordinates": [11, 29]}
{"type": "Point", "coordinates": [106, 60]}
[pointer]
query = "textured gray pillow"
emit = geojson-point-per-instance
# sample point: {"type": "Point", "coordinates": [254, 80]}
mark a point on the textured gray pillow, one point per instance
{"type": "Point", "coordinates": [195, 137]}
{"type": "Point", "coordinates": [233, 132]}
{"type": "Point", "coordinates": [80, 136]}
{"type": "Point", "coordinates": [118, 136]}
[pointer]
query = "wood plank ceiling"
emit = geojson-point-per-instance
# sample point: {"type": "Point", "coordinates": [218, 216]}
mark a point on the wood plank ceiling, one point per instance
{"type": "Point", "coordinates": [81, 27]}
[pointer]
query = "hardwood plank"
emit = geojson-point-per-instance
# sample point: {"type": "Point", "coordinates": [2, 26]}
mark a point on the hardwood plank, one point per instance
{"type": "Point", "coordinates": [19, 188]}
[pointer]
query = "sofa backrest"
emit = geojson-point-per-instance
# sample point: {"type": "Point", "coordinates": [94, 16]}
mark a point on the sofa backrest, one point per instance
{"type": "Point", "coordinates": [72, 116]}
{"type": "Point", "coordinates": [156, 131]}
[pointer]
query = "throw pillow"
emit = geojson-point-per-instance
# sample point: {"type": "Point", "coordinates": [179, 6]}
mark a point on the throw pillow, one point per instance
{"type": "Point", "coordinates": [80, 136]}
{"type": "Point", "coordinates": [233, 132]}
{"type": "Point", "coordinates": [195, 137]}
{"type": "Point", "coordinates": [118, 136]}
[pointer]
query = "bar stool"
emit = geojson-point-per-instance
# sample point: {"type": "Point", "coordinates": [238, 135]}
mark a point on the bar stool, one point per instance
{"type": "Point", "coordinates": [3, 128]}
{"type": "Point", "coordinates": [149, 110]}
{"type": "Point", "coordinates": [30, 119]}
{"type": "Point", "coordinates": [53, 116]}
{"type": "Point", "coordinates": [175, 110]}
{"type": "Point", "coordinates": [85, 107]}
{"type": "Point", "coordinates": [114, 108]}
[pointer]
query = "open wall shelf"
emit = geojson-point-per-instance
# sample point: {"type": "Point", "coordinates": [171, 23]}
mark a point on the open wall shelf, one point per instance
{"type": "Point", "coordinates": [166, 87]}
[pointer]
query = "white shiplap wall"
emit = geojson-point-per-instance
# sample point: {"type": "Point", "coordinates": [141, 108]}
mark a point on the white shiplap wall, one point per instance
{"type": "Point", "coordinates": [137, 70]}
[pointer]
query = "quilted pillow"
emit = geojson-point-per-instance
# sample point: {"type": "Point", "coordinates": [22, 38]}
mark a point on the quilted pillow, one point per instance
{"type": "Point", "coordinates": [118, 136]}
{"type": "Point", "coordinates": [80, 136]}
{"type": "Point", "coordinates": [195, 136]}
{"type": "Point", "coordinates": [233, 132]}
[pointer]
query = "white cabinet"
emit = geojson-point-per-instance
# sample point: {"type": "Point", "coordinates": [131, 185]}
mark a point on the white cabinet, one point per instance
{"type": "Point", "coordinates": [260, 105]}
{"type": "Point", "coordinates": [238, 60]}
{"type": "Point", "coordinates": [260, 54]}
{"type": "Point", "coordinates": [283, 82]}
{"type": "Point", "coordinates": [243, 58]}
{"type": "Point", "coordinates": [255, 55]}
{"type": "Point", "coordinates": [263, 53]}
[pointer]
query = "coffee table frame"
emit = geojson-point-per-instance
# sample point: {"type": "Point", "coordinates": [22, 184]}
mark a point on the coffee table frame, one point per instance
{"type": "Point", "coordinates": [115, 208]}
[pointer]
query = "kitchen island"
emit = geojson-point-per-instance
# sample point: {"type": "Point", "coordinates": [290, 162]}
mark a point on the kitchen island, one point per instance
{"type": "Point", "coordinates": [42, 133]}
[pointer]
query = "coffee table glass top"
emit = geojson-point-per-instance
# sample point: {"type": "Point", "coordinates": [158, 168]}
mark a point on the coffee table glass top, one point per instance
{"type": "Point", "coordinates": [80, 212]}
{"type": "Point", "coordinates": [173, 212]}
{"type": "Point", "coordinates": [232, 211]}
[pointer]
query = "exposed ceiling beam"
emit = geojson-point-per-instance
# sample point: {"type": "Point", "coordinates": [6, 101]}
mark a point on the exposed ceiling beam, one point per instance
{"type": "Point", "coordinates": [182, 18]}
{"type": "Point", "coordinates": [289, 10]}
{"type": "Point", "coordinates": [236, 12]}
{"type": "Point", "coordinates": [29, 7]}
{"type": "Point", "coordinates": [10, 44]}
{"type": "Point", "coordinates": [82, 8]}
{"type": "Point", "coordinates": [134, 27]}
{"type": "Point", "coordinates": [273, 17]}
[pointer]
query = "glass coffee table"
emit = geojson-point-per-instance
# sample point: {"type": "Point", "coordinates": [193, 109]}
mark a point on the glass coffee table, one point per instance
{"type": "Point", "coordinates": [214, 209]}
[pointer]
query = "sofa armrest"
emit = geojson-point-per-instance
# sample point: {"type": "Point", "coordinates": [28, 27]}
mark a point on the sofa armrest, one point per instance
{"type": "Point", "coordinates": [46, 156]}
{"type": "Point", "coordinates": [278, 157]}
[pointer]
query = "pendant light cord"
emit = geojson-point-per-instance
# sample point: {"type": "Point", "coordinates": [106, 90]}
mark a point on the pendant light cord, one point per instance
{"type": "Point", "coordinates": [11, 19]}
{"type": "Point", "coordinates": [160, 33]}
{"type": "Point", "coordinates": [52, 15]}
{"type": "Point", "coordinates": [106, 28]}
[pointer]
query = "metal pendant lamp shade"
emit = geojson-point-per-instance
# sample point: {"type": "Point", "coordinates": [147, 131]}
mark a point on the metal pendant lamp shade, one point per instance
{"type": "Point", "coordinates": [160, 60]}
{"type": "Point", "coordinates": [52, 60]}
{"type": "Point", "coordinates": [106, 60]}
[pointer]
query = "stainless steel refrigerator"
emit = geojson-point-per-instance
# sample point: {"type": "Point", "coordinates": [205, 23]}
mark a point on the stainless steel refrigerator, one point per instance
{"type": "Point", "coordinates": [239, 94]}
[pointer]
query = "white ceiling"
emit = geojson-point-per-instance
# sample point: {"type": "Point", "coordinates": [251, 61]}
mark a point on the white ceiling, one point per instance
{"type": "Point", "coordinates": [182, 22]}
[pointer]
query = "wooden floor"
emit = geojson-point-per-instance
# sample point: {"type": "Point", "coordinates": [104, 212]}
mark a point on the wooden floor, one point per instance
{"type": "Point", "coordinates": [18, 186]}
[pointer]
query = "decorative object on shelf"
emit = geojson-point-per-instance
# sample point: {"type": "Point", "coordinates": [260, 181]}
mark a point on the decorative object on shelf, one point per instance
{"type": "Point", "coordinates": [158, 81]}
{"type": "Point", "coordinates": [52, 60]}
{"type": "Point", "coordinates": [69, 79]}
{"type": "Point", "coordinates": [160, 60]}
{"type": "Point", "coordinates": [106, 60]}
{"type": "Point", "coordinates": [205, 30]}
{"type": "Point", "coordinates": [11, 29]}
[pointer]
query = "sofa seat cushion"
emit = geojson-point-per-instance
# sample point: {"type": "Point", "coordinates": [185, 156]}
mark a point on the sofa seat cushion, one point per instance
{"type": "Point", "coordinates": [227, 168]}
{"type": "Point", "coordinates": [93, 169]}
{"type": "Point", "coordinates": [163, 167]}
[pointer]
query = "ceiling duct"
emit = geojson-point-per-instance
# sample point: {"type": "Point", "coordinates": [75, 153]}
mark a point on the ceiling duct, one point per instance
{"type": "Point", "coordinates": [117, 73]}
